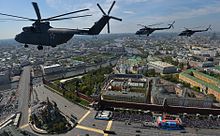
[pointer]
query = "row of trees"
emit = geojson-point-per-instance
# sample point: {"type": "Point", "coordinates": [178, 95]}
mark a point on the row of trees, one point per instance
{"type": "Point", "coordinates": [89, 83]}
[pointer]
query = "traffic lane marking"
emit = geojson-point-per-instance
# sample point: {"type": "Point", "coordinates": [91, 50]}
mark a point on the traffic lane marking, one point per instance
{"type": "Point", "coordinates": [90, 129]}
{"type": "Point", "coordinates": [87, 113]}
{"type": "Point", "coordinates": [109, 125]}
{"type": "Point", "coordinates": [24, 126]}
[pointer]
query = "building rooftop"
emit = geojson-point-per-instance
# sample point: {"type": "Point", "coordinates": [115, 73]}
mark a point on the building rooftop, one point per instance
{"type": "Point", "coordinates": [187, 74]}
{"type": "Point", "coordinates": [124, 94]}
{"type": "Point", "coordinates": [161, 64]}
{"type": "Point", "coordinates": [51, 66]}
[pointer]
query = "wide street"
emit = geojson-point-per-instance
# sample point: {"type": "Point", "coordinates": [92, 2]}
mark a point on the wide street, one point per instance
{"type": "Point", "coordinates": [24, 93]}
{"type": "Point", "coordinates": [64, 105]}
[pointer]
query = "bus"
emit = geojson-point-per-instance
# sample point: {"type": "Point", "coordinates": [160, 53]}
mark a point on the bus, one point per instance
{"type": "Point", "coordinates": [103, 115]}
{"type": "Point", "coordinates": [17, 119]}
{"type": "Point", "coordinates": [169, 124]}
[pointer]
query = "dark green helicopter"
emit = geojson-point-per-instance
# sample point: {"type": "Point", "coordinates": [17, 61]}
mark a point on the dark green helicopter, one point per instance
{"type": "Point", "coordinates": [189, 32]}
{"type": "Point", "coordinates": [147, 30]}
{"type": "Point", "coordinates": [42, 34]}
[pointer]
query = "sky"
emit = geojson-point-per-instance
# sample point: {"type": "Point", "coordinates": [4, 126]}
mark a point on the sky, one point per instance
{"type": "Point", "coordinates": [186, 13]}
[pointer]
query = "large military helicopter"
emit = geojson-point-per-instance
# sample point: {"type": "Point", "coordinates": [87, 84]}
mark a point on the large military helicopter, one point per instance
{"type": "Point", "coordinates": [188, 32]}
{"type": "Point", "coordinates": [148, 29]}
{"type": "Point", "coordinates": [42, 34]}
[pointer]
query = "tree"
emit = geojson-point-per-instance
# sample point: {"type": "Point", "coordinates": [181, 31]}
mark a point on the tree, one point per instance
{"type": "Point", "coordinates": [212, 96]}
{"type": "Point", "coordinates": [181, 65]}
{"type": "Point", "coordinates": [196, 88]}
{"type": "Point", "coordinates": [150, 73]}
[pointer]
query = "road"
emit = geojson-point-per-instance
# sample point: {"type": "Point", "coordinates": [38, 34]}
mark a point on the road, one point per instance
{"type": "Point", "coordinates": [88, 125]}
{"type": "Point", "coordinates": [63, 104]}
{"type": "Point", "coordinates": [24, 93]}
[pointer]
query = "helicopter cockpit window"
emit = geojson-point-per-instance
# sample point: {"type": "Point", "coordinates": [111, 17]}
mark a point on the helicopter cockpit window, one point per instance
{"type": "Point", "coordinates": [29, 29]}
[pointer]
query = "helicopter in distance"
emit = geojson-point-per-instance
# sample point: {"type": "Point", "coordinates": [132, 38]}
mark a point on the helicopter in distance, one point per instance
{"type": "Point", "coordinates": [189, 32]}
{"type": "Point", "coordinates": [147, 30]}
{"type": "Point", "coordinates": [42, 34]}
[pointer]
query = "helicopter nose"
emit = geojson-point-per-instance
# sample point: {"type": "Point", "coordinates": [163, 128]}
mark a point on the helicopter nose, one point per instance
{"type": "Point", "coordinates": [137, 32]}
{"type": "Point", "coordinates": [17, 38]}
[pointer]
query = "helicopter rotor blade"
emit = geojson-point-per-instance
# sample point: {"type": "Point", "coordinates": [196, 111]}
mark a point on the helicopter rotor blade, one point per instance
{"type": "Point", "coordinates": [155, 24]}
{"type": "Point", "coordinates": [58, 19]}
{"type": "Point", "coordinates": [108, 27]}
{"type": "Point", "coordinates": [111, 7]}
{"type": "Point", "coordinates": [119, 19]}
{"type": "Point", "coordinates": [50, 18]}
{"type": "Point", "coordinates": [101, 9]}
{"type": "Point", "coordinates": [11, 19]}
{"type": "Point", "coordinates": [197, 27]}
{"type": "Point", "coordinates": [17, 17]}
{"type": "Point", "coordinates": [141, 25]}
{"type": "Point", "coordinates": [37, 11]}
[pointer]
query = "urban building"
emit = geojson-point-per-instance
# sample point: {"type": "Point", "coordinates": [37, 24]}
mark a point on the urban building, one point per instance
{"type": "Point", "coordinates": [161, 96]}
{"type": "Point", "coordinates": [51, 69]}
{"type": "Point", "coordinates": [162, 67]}
{"type": "Point", "coordinates": [207, 64]}
{"type": "Point", "coordinates": [125, 87]}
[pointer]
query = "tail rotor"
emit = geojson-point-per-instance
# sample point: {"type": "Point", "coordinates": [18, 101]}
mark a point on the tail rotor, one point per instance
{"type": "Point", "coordinates": [209, 28]}
{"type": "Point", "coordinates": [171, 25]}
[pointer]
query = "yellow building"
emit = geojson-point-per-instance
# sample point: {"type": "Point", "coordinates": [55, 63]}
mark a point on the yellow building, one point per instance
{"type": "Point", "coordinates": [208, 84]}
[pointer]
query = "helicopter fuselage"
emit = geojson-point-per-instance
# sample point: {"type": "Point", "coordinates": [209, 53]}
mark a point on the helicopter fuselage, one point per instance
{"type": "Point", "coordinates": [187, 33]}
{"type": "Point", "coordinates": [144, 31]}
{"type": "Point", "coordinates": [46, 39]}
{"type": "Point", "coordinates": [40, 34]}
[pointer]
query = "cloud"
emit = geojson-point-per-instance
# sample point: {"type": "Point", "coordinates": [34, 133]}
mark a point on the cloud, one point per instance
{"type": "Point", "coordinates": [53, 3]}
{"type": "Point", "coordinates": [140, 1]}
{"type": "Point", "coordinates": [144, 11]}
{"type": "Point", "coordinates": [187, 13]}
{"type": "Point", "coordinates": [128, 12]}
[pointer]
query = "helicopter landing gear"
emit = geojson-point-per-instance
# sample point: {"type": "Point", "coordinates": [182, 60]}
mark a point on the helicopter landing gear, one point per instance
{"type": "Point", "coordinates": [25, 46]}
{"type": "Point", "coordinates": [40, 47]}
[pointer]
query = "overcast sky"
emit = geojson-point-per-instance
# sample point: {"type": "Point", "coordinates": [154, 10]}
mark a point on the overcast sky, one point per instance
{"type": "Point", "coordinates": [186, 13]}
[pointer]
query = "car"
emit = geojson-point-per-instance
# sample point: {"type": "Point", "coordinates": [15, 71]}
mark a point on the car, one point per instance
{"type": "Point", "coordinates": [138, 131]}
{"type": "Point", "coordinates": [73, 116]}
{"type": "Point", "coordinates": [109, 132]}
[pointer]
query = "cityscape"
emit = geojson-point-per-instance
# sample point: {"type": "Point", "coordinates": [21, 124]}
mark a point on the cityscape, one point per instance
{"type": "Point", "coordinates": [83, 82]}
{"type": "Point", "coordinates": [98, 86]}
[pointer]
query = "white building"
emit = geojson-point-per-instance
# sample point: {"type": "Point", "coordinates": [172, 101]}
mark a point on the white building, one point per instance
{"type": "Point", "coordinates": [163, 67]}
{"type": "Point", "coordinates": [51, 69]}
{"type": "Point", "coordinates": [211, 53]}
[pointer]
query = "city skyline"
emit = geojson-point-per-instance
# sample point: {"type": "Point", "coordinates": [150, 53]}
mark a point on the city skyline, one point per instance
{"type": "Point", "coordinates": [190, 13]}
